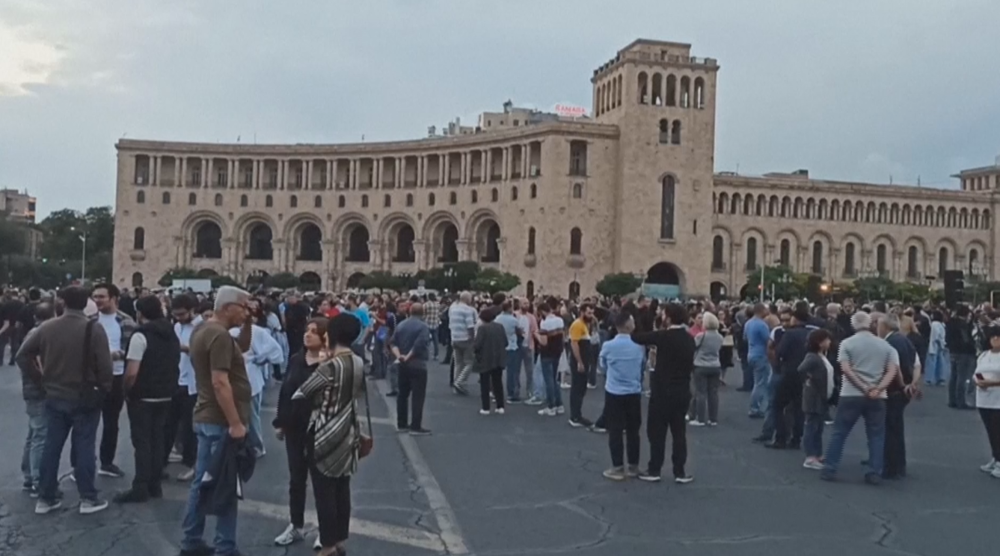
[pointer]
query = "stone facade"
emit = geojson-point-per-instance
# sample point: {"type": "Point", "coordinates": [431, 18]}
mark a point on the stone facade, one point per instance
{"type": "Point", "coordinates": [559, 202]}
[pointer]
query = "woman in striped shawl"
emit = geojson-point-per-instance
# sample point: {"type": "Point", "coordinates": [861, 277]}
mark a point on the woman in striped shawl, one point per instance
{"type": "Point", "coordinates": [333, 391]}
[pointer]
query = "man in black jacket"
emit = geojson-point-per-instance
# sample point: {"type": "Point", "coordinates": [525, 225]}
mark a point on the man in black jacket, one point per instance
{"type": "Point", "coordinates": [958, 338]}
{"type": "Point", "coordinates": [789, 353]}
{"type": "Point", "coordinates": [898, 396]}
{"type": "Point", "coordinates": [152, 366]}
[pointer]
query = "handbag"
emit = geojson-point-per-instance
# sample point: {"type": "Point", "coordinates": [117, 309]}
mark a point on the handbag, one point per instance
{"type": "Point", "coordinates": [91, 393]}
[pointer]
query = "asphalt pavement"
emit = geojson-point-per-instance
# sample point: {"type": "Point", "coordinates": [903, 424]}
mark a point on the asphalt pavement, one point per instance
{"type": "Point", "coordinates": [525, 484]}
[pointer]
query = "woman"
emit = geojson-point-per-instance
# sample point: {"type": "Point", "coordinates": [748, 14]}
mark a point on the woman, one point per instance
{"type": "Point", "coordinates": [333, 436]}
{"type": "Point", "coordinates": [987, 378]}
{"type": "Point", "coordinates": [728, 344]}
{"type": "Point", "coordinates": [272, 322]}
{"type": "Point", "coordinates": [490, 359]}
{"type": "Point", "coordinates": [292, 425]}
{"type": "Point", "coordinates": [698, 325]}
{"type": "Point", "coordinates": [909, 328]}
{"type": "Point", "coordinates": [938, 359]}
{"type": "Point", "coordinates": [816, 391]}
{"type": "Point", "coordinates": [707, 371]}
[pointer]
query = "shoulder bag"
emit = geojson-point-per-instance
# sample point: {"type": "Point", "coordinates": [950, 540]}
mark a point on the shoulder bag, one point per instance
{"type": "Point", "coordinates": [91, 394]}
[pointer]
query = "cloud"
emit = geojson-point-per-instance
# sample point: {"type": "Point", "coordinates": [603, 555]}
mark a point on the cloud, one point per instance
{"type": "Point", "coordinates": [24, 62]}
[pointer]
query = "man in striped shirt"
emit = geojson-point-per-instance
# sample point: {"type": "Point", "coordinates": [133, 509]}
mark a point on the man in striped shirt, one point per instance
{"type": "Point", "coordinates": [462, 325]}
{"type": "Point", "coordinates": [432, 318]}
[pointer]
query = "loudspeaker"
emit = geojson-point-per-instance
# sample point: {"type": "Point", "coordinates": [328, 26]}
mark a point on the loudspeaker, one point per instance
{"type": "Point", "coordinates": [954, 287]}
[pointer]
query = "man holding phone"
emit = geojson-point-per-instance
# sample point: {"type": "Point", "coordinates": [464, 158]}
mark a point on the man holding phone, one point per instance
{"type": "Point", "coordinates": [119, 327]}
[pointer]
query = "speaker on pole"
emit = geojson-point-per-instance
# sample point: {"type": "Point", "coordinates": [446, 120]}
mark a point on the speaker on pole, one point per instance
{"type": "Point", "coordinates": [954, 288]}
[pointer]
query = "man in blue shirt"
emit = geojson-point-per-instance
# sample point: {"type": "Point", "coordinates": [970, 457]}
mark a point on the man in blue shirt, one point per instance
{"type": "Point", "coordinates": [622, 360]}
{"type": "Point", "coordinates": [409, 343]}
{"type": "Point", "coordinates": [515, 336]}
{"type": "Point", "coordinates": [757, 334]}
{"type": "Point", "coordinates": [362, 313]}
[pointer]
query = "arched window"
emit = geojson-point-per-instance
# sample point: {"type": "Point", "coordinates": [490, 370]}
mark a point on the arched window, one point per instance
{"type": "Point", "coordinates": [533, 191]}
{"type": "Point", "coordinates": [785, 253]}
{"type": "Point", "coordinates": [192, 199]}
{"type": "Point", "coordinates": [671, 99]}
{"type": "Point", "coordinates": [578, 191]}
{"type": "Point", "coordinates": [817, 266]}
{"type": "Point", "coordinates": [293, 201]}
{"type": "Point", "coordinates": [317, 202]}
{"type": "Point", "coordinates": [718, 254]}
{"type": "Point", "coordinates": [737, 204]}
{"type": "Point", "coordinates": [657, 98]}
{"type": "Point", "coordinates": [912, 262]}
{"type": "Point", "coordinates": [140, 197]}
{"type": "Point", "coordinates": [269, 201]}
{"type": "Point", "coordinates": [748, 205]}
{"type": "Point", "coordinates": [667, 187]}
{"type": "Point", "coordinates": [675, 132]}
{"type": "Point", "coordinates": [513, 193]}
{"type": "Point", "coordinates": [849, 260]}
{"type": "Point", "coordinates": [880, 259]}
{"type": "Point", "coordinates": [685, 92]}
{"type": "Point", "coordinates": [531, 240]}
{"type": "Point", "coordinates": [751, 253]}
{"type": "Point", "coordinates": [699, 93]}
{"type": "Point", "coordinates": [218, 199]}
{"type": "Point", "coordinates": [575, 241]}
{"type": "Point", "coordinates": [942, 262]}
{"type": "Point", "coordinates": [453, 198]}
{"type": "Point", "coordinates": [643, 84]}
{"type": "Point", "coordinates": [430, 199]}
{"type": "Point", "coordinates": [722, 204]}
{"type": "Point", "coordinates": [166, 197]}
{"type": "Point", "coordinates": [494, 195]}
{"type": "Point", "coordinates": [475, 196]}
{"type": "Point", "coordinates": [136, 279]}
{"type": "Point", "coordinates": [244, 201]}
{"type": "Point", "coordinates": [364, 201]}
{"type": "Point", "coordinates": [341, 201]}
{"type": "Point", "coordinates": [664, 131]}
{"type": "Point", "coordinates": [409, 199]}
{"type": "Point", "coordinates": [139, 238]}
{"type": "Point", "coordinates": [387, 200]}
{"type": "Point", "coordinates": [973, 260]}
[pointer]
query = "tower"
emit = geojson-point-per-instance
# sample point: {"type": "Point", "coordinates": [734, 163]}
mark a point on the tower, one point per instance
{"type": "Point", "coordinates": [662, 100]}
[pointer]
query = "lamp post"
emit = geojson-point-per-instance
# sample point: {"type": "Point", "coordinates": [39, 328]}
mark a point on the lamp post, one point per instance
{"type": "Point", "coordinates": [449, 273]}
{"type": "Point", "coordinates": [83, 258]}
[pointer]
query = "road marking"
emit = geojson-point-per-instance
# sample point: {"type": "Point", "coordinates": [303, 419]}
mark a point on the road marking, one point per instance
{"type": "Point", "coordinates": [417, 538]}
{"type": "Point", "coordinates": [451, 533]}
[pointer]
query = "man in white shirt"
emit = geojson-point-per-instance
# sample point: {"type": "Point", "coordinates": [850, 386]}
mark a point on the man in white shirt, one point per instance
{"type": "Point", "coordinates": [264, 352]}
{"type": "Point", "coordinates": [179, 427]}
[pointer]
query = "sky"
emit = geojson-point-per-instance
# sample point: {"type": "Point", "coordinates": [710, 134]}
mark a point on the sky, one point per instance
{"type": "Point", "coordinates": [855, 90]}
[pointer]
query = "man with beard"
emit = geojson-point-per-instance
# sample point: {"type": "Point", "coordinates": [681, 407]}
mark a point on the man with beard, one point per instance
{"type": "Point", "coordinates": [581, 333]}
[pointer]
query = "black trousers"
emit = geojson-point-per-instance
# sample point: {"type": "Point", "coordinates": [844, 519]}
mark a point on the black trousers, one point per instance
{"type": "Point", "coordinates": [577, 390]}
{"type": "Point", "coordinates": [991, 420]}
{"type": "Point", "coordinates": [148, 424]}
{"type": "Point", "coordinates": [411, 382]}
{"type": "Point", "coordinates": [491, 380]}
{"type": "Point", "coordinates": [622, 419]}
{"type": "Point", "coordinates": [333, 506]}
{"type": "Point", "coordinates": [788, 397]}
{"type": "Point", "coordinates": [666, 412]}
{"type": "Point", "coordinates": [180, 429]}
{"type": "Point", "coordinates": [298, 473]}
{"type": "Point", "coordinates": [895, 437]}
{"type": "Point", "coordinates": [110, 412]}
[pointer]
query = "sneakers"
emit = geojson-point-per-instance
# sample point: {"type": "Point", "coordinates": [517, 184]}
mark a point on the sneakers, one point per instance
{"type": "Point", "coordinates": [175, 457]}
{"type": "Point", "coordinates": [989, 467]}
{"type": "Point", "coordinates": [459, 389]}
{"type": "Point", "coordinates": [289, 536]}
{"type": "Point", "coordinates": [614, 474]}
{"type": "Point", "coordinates": [560, 410]}
{"type": "Point", "coordinates": [392, 394]}
{"type": "Point", "coordinates": [591, 386]}
{"type": "Point", "coordinates": [873, 479]}
{"type": "Point", "coordinates": [317, 544]}
{"type": "Point", "coordinates": [533, 401]}
{"type": "Point", "coordinates": [632, 471]}
{"type": "Point", "coordinates": [597, 429]}
{"type": "Point", "coordinates": [484, 412]}
{"type": "Point", "coordinates": [547, 412]}
{"type": "Point", "coordinates": [649, 477]}
{"type": "Point", "coordinates": [110, 470]}
{"type": "Point", "coordinates": [131, 496]}
{"type": "Point", "coordinates": [69, 476]}
{"type": "Point", "coordinates": [683, 479]}
{"type": "Point", "coordinates": [499, 411]}
{"type": "Point", "coordinates": [813, 463]}
{"type": "Point", "coordinates": [581, 422]}
{"type": "Point", "coordinates": [92, 506]}
{"type": "Point", "coordinates": [515, 399]}
{"type": "Point", "coordinates": [42, 507]}
{"type": "Point", "coordinates": [713, 423]}
{"type": "Point", "coordinates": [696, 423]}
{"type": "Point", "coordinates": [186, 476]}
{"type": "Point", "coordinates": [419, 432]}
{"type": "Point", "coordinates": [565, 386]}
{"type": "Point", "coordinates": [996, 472]}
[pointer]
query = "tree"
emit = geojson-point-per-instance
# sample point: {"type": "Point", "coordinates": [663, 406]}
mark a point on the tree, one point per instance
{"type": "Point", "coordinates": [463, 274]}
{"type": "Point", "coordinates": [181, 273]}
{"type": "Point", "coordinates": [780, 279]}
{"type": "Point", "coordinates": [13, 237]}
{"type": "Point", "coordinates": [381, 280]}
{"type": "Point", "coordinates": [282, 280]}
{"type": "Point", "coordinates": [909, 292]}
{"type": "Point", "coordinates": [492, 281]}
{"type": "Point", "coordinates": [618, 284]}
{"type": "Point", "coordinates": [876, 288]}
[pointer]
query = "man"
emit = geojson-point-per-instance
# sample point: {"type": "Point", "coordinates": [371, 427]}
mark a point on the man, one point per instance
{"type": "Point", "coordinates": [182, 405]}
{"type": "Point", "coordinates": [756, 332]}
{"type": "Point", "coordinates": [259, 360]}
{"type": "Point", "coordinates": [580, 333]}
{"type": "Point", "coordinates": [153, 365]}
{"type": "Point", "coordinates": [10, 311]}
{"type": "Point", "coordinates": [409, 345]}
{"type": "Point", "coordinates": [296, 316]}
{"type": "Point", "coordinates": [432, 317]}
{"type": "Point", "coordinates": [869, 365]}
{"type": "Point", "coordinates": [34, 400]}
{"type": "Point", "coordinates": [898, 394]}
{"type": "Point", "coordinates": [222, 409]}
{"type": "Point", "coordinates": [670, 385]}
{"type": "Point", "coordinates": [551, 332]}
{"type": "Point", "coordinates": [462, 325]}
{"type": "Point", "coordinates": [118, 327]}
{"type": "Point", "coordinates": [789, 353]}
{"type": "Point", "coordinates": [621, 359]}
{"type": "Point", "coordinates": [515, 337]}
{"type": "Point", "coordinates": [962, 346]}
{"type": "Point", "coordinates": [362, 315]}
{"type": "Point", "coordinates": [77, 375]}
{"type": "Point", "coordinates": [534, 384]}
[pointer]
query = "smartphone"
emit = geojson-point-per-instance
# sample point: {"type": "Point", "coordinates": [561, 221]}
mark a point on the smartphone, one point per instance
{"type": "Point", "coordinates": [980, 376]}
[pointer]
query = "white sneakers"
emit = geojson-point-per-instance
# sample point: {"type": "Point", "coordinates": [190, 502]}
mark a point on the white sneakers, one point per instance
{"type": "Point", "coordinates": [547, 412]}
{"type": "Point", "coordinates": [989, 466]}
{"type": "Point", "coordinates": [290, 536]}
{"type": "Point", "coordinates": [484, 412]}
{"type": "Point", "coordinates": [42, 507]}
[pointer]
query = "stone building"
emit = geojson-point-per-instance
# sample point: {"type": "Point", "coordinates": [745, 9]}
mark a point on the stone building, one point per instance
{"type": "Point", "coordinates": [559, 202]}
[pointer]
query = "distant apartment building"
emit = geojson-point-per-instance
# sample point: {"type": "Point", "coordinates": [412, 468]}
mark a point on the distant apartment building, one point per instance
{"type": "Point", "coordinates": [17, 205]}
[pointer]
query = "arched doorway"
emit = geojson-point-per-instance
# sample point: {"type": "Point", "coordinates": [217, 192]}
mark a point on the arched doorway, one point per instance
{"type": "Point", "coordinates": [530, 286]}
{"type": "Point", "coordinates": [357, 244]}
{"type": "Point", "coordinates": [449, 244]}
{"type": "Point", "coordinates": [208, 241]}
{"type": "Point", "coordinates": [663, 281]}
{"type": "Point", "coordinates": [136, 279]}
{"type": "Point", "coordinates": [259, 243]}
{"type": "Point", "coordinates": [488, 242]}
{"type": "Point", "coordinates": [310, 281]}
{"type": "Point", "coordinates": [717, 291]}
{"type": "Point", "coordinates": [403, 252]}
{"type": "Point", "coordinates": [354, 280]}
{"type": "Point", "coordinates": [574, 290]}
{"type": "Point", "coordinates": [310, 243]}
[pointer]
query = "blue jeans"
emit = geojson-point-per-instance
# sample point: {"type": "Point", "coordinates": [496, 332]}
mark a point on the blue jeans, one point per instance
{"type": "Point", "coordinates": [962, 368]}
{"type": "Point", "coordinates": [849, 410]}
{"type": "Point", "coordinates": [937, 367]}
{"type": "Point", "coordinates": [34, 444]}
{"type": "Point", "coordinates": [210, 438]}
{"type": "Point", "coordinates": [538, 381]}
{"type": "Point", "coordinates": [434, 342]}
{"type": "Point", "coordinates": [255, 434]}
{"type": "Point", "coordinates": [760, 398]}
{"type": "Point", "coordinates": [812, 438]}
{"type": "Point", "coordinates": [513, 372]}
{"type": "Point", "coordinates": [770, 416]}
{"type": "Point", "coordinates": [64, 417]}
{"type": "Point", "coordinates": [393, 375]}
{"type": "Point", "coordinates": [379, 360]}
{"type": "Point", "coordinates": [553, 393]}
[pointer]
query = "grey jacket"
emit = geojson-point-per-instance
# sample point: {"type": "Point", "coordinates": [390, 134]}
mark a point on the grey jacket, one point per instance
{"type": "Point", "coordinates": [707, 346]}
{"type": "Point", "coordinates": [814, 398]}
{"type": "Point", "coordinates": [490, 347]}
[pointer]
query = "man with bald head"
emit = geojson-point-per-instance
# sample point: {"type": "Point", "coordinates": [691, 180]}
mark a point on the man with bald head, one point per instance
{"type": "Point", "coordinates": [462, 325]}
{"type": "Point", "coordinates": [409, 343]}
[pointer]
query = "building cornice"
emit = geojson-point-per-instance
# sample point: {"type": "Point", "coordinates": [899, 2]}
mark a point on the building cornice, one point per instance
{"type": "Point", "coordinates": [827, 187]}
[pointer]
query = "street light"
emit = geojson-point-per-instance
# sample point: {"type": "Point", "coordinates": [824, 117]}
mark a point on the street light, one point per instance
{"type": "Point", "coordinates": [83, 259]}
{"type": "Point", "coordinates": [449, 274]}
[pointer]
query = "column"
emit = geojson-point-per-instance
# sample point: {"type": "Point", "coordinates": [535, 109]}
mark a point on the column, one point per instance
{"type": "Point", "coordinates": [422, 171]}
{"type": "Point", "coordinates": [525, 157]}
{"type": "Point", "coordinates": [258, 169]}
{"type": "Point", "coordinates": [307, 172]}
{"type": "Point", "coordinates": [484, 173]}
{"type": "Point", "coordinates": [488, 173]}
{"type": "Point", "coordinates": [331, 175]}
{"type": "Point", "coordinates": [420, 253]}
{"type": "Point", "coordinates": [183, 171]}
{"type": "Point", "coordinates": [447, 169]}
{"type": "Point", "coordinates": [352, 180]}
{"type": "Point", "coordinates": [464, 166]}
{"type": "Point", "coordinates": [400, 171]}
{"type": "Point", "coordinates": [154, 174]}
{"type": "Point", "coordinates": [505, 172]}
{"type": "Point", "coordinates": [208, 172]}
{"type": "Point", "coordinates": [234, 173]}
{"type": "Point", "coordinates": [177, 171]}
{"type": "Point", "coordinates": [284, 175]}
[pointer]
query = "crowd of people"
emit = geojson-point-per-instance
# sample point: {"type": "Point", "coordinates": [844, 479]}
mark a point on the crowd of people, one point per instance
{"type": "Point", "coordinates": [191, 371]}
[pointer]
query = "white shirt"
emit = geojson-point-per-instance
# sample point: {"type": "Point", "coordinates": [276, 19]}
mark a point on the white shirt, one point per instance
{"type": "Point", "coordinates": [989, 366]}
{"type": "Point", "coordinates": [186, 375]}
{"type": "Point", "coordinates": [114, 332]}
{"type": "Point", "coordinates": [264, 352]}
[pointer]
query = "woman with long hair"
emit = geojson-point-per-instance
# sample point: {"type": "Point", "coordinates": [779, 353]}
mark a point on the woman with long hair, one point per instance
{"type": "Point", "coordinates": [987, 379]}
{"type": "Point", "coordinates": [490, 353]}
{"type": "Point", "coordinates": [292, 425]}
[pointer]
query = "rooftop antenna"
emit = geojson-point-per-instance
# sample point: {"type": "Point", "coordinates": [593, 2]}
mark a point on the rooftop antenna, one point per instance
{"type": "Point", "coordinates": [238, 138]}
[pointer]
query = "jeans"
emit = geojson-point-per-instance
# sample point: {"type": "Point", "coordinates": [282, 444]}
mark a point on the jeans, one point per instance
{"type": "Point", "coordinates": [513, 375]}
{"type": "Point", "coordinates": [850, 409]}
{"type": "Point", "coordinates": [773, 384]}
{"type": "Point", "coordinates": [114, 401]}
{"type": "Point", "coordinates": [380, 362]}
{"type": "Point", "coordinates": [937, 367]}
{"type": "Point", "coordinates": [63, 418]}
{"type": "Point", "coordinates": [963, 366]}
{"type": "Point", "coordinates": [577, 390]}
{"type": "Point", "coordinates": [34, 444]}
{"type": "Point", "coordinates": [255, 436]}
{"type": "Point", "coordinates": [760, 368]}
{"type": "Point", "coordinates": [812, 436]}
{"type": "Point", "coordinates": [148, 426]}
{"type": "Point", "coordinates": [553, 393]}
{"type": "Point", "coordinates": [210, 439]}
{"type": "Point", "coordinates": [491, 381]}
{"type": "Point", "coordinates": [464, 357]}
{"type": "Point", "coordinates": [706, 386]}
{"type": "Point", "coordinates": [622, 419]}
{"type": "Point", "coordinates": [434, 342]}
{"type": "Point", "coordinates": [526, 359]}
{"type": "Point", "coordinates": [180, 427]}
{"type": "Point", "coordinates": [538, 380]}
{"type": "Point", "coordinates": [411, 381]}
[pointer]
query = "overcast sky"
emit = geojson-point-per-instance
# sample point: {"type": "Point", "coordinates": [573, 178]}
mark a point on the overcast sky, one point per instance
{"type": "Point", "coordinates": [853, 89]}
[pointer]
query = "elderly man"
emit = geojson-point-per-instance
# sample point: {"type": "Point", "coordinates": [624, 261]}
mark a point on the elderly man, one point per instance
{"type": "Point", "coordinates": [869, 365]}
{"type": "Point", "coordinates": [462, 326]}
{"type": "Point", "coordinates": [898, 393]}
{"type": "Point", "coordinates": [409, 344]}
